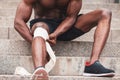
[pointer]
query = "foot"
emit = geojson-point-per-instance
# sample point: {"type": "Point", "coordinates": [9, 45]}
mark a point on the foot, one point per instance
{"type": "Point", "coordinates": [40, 74]}
{"type": "Point", "coordinates": [97, 70]}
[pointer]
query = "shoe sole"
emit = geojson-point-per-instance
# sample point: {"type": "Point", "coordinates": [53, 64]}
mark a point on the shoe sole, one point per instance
{"type": "Point", "coordinates": [99, 75]}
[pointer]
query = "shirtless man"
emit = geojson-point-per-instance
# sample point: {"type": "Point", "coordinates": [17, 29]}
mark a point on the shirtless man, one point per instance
{"type": "Point", "coordinates": [61, 20]}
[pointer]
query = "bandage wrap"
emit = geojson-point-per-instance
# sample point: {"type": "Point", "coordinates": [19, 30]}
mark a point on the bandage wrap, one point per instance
{"type": "Point", "coordinates": [41, 32]}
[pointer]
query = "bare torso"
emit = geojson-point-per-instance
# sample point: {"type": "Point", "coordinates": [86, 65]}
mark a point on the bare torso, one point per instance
{"type": "Point", "coordinates": [54, 9]}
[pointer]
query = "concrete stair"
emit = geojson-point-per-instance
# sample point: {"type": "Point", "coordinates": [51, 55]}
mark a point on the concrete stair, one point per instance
{"type": "Point", "coordinates": [98, 1]}
{"type": "Point", "coordinates": [71, 55]}
{"type": "Point", "coordinates": [65, 66]}
{"type": "Point", "coordinates": [11, 77]}
{"type": "Point", "coordinates": [15, 53]}
{"type": "Point", "coordinates": [10, 33]}
{"type": "Point", "coordinates": [73, 48]}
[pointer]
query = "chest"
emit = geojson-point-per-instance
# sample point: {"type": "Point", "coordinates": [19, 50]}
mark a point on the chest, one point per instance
{"type": "Point", "coordinates": [51, 4]}
{"type": "Point", "coordinates": [57, 9]}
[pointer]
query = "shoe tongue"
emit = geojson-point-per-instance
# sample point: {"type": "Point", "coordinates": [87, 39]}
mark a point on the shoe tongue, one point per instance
{"type": "Point", "coordinates": [97, 62]}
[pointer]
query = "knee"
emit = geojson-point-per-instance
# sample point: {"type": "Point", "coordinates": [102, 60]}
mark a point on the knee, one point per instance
{"type": "Point", "coordinates": [106, 14]}
{"type": "Point", "coordinates": [40, 24]}
{"type": "Point", "coordinates": [38, 38]}
{"type": "Point", "coordinates": [40, 33]}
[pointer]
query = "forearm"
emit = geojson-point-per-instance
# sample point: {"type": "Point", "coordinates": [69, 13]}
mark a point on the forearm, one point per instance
{"type": "Point", "coordinates": [65, 25]}
{"type": "Point", "coordinates": [72, 13]}
{"type": "Point", "coordinates": [23, 30]}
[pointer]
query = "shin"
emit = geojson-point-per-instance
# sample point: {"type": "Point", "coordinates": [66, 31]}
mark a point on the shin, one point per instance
{"type": "Point", "coordinates": [39, 47]}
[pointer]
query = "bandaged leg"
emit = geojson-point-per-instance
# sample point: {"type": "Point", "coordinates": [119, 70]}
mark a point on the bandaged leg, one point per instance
{"type": "Point", "coordinates": [41, 32]}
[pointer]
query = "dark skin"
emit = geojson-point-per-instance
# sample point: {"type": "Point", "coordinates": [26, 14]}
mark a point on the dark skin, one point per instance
{"type": "Point", "coordinates": [54, 12]}
{"type": "Point", "coordinates": [100, 18]}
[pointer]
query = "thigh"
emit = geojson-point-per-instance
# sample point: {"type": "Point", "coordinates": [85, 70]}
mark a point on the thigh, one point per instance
{"type": "Point", "coordinates": [71, 34]}
{"type": "Point", "coordinates": [88, 21]}
{"type": "Point", "coordinates": [40, 24]}
{"type": "Point", "coordinates": [49, 24]}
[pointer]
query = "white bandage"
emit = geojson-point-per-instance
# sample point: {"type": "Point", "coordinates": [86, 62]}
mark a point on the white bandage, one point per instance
{"type": "Point", "coordinates": [41, 32]}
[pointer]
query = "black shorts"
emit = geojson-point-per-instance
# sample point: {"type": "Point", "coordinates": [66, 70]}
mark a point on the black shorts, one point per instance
{"type": "Point", "coordinates": [71, 34]}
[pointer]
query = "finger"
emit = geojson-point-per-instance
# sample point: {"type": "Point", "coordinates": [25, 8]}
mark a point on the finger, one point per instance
{"type": "Point", "coordinates": [51, 42]}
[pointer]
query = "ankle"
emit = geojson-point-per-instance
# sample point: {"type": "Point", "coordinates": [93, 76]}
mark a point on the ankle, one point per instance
{"type": "Point", "coordinates": [39, 67]}
{"type": "Point", "coordinates": [89, 63]}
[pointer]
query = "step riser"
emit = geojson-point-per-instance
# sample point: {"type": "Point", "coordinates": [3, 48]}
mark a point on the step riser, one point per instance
{"type": "Point", "coordinates": [115, 13]}
{"type": "Point", "coordinates": [7, 12]}
{"type": "Point", "coordinates": [9, 47]}
{"type": "Point", "coordinates": [12, 77]}
{"type": "Point", "coordinates": [10, 33]}
{"type": "Point", "coordinates": [14, 5]}
{"type": "Point", "coordinates": [113, 36]}
{"type": "Point", "coordinates": [97, 6]}
{"type": "Point", "coordinates": [4, 15]}
{"type": "Point", "coordinates": [98, 1]}
{"type": "Point", "coordinates": [67, 66]}
{"type": "Point", "coordinates": [9, 23]}
{"type": "Point", "coordinates": [7, 18]}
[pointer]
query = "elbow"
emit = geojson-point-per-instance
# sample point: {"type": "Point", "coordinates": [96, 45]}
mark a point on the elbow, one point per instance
{"type": "Point", "coordinates": [71, 19]}
{"type": "Point", "coordinates": [16, 25]}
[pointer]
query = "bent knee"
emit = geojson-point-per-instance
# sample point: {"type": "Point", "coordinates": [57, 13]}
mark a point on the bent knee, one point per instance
{"type": "Point", "coordinates": [40, 24]}
{"type": "Point", "coordinates": [105, 13]}
{"type": "Point", "coordinates": [38, 38]}
{"type": "Point", "coordinates": [41, 32]}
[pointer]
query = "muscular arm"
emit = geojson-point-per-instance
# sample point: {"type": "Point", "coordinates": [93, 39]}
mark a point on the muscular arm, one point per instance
{"type": "Point", "coordinates": [72, 13]}
{"type": "Point", "coordinates": [23, 14]}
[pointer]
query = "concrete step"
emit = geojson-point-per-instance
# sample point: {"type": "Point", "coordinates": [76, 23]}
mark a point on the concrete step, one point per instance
{"type": "Point", "coordinates": [98, 1]}
{"type": "Point", "coordinates": [9, 21]}
{"type": "Point", "coordinates": [115, 13]}
{"type": "Point", "coordinates": [10, 13]}
{"type": "Point", "coordinates": [9, 4]}
{"type": "Point", "coordinates": [10, 0]}
{"type": "Point", "coordinates": [97, 6]}
{"type": "Point", "coordinates": [14, 77]}
{"type": "Point", "coordinates": [113, 36]}
{"type": "Point", "coordinates": [7, 17]}
{"type": "Point", "coordinates": [65, 66]}
{"type": "Point", "coordinates": [14, 3]}
{"type": "Point", "coordinates": [85, 5]}
{"type": "Point", "coordinates": [10, 33]}
{"type": "Point", "coordinates": [71, 48]}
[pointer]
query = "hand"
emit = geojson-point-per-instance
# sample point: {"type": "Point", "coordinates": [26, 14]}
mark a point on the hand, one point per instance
{"type": "Point", "coordinates": [52, 39]}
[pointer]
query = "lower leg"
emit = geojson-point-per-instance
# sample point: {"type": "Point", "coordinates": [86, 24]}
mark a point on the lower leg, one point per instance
{"type": "Point", "coordinates": [39, 52]}
{"type": "Point", "coordinates": [101, 35]}
{"type": "Point", "coordinates": [85, 23]}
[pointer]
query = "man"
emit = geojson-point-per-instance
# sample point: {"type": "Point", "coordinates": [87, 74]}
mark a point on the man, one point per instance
{"type": "Point", "coordinates": [62, 22]}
